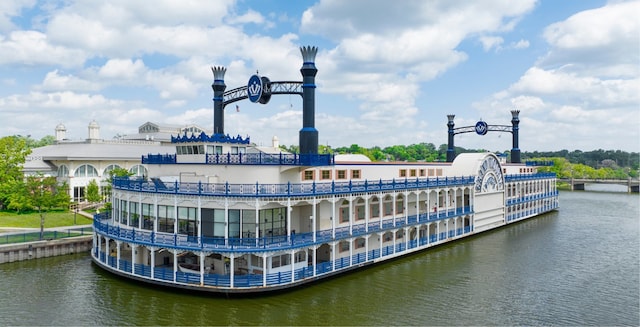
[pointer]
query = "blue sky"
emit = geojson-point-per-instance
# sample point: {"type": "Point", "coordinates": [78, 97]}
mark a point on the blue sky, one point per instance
{"type": "Point", "coordinates": [387, 74]}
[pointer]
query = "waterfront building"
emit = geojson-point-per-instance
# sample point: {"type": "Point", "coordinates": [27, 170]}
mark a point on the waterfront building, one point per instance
{"type": "Point", "coordinates": [78, 162]}
{"type": "Point", "coordinates": [220, 214]}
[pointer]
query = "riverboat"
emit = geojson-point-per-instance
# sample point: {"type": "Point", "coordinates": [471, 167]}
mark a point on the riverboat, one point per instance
{"type": "Point", "coordinates": [222, 214]}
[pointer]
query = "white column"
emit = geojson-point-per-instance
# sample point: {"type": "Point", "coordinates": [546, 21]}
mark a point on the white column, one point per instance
{"type": "Point", "coordinates": [264, 269]}
{"type": "Point", "coordinates": [134, 249]}
{"type": "Point", "coordinates": [139, 210]}
{"type": "Point", "coordinates": [313, 263]}
{"type": "Point", "coordinates": [257, 207]}
{"type": "Point", "coordinates": [366, 248]}
{"type": "Point", "coordinates": [333, 217]}
{"type": "Point", "coordinates": [366, 213]}
{"type": "Point", "coordinates": [394, 239]}
{"type": "Point", "coordinates": [293, 260]}
{"type": "Point", "coordinates": [232, 268]}
{"type": "Point", "coordinates": [155, 213]}
{"type": "Point", "coordinates": [289, 217]}
{"type": "Point", "coordinates": [175, 264]}
{"type": "Point", "coordinates": [406, 238]}
{"type": "Point", "coordinates": [153, 261]}
{"type": "Point", "coordinates": [201, 268]}
{"type": "Point", "coordinates": [351, 251]}
{"type": "Point", "coordinates": [380, 209]}
{"type": "Point", "coordinates": [313, 218]}
{"type": "Point", "coordinates": [175, 215]}
{"type": "Point", "coordinates": [333, 256]}
{"type": "Point", "coordinates": [118, 255]}
{"type": "Point", "coordinates": [199, 221]}
{"type": "Point", "coordinates": [351, 214]}
{"type": "Point", "coordinates": [226, 220]}
{"type": "Point", "coordinates": [406, 207]}
{"type": "Point", "coordinates": [418, 205]}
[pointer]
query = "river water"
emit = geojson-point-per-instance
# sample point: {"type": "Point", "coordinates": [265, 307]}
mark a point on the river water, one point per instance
{"type": "Point", "coordinates": [576, 266]}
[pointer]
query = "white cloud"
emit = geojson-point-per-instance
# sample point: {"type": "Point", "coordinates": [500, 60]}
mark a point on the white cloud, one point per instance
{"type": "Point", "coordinates": [54, 81]}
{"type": "Point", "coordinates": [491, 42]}
{"type": "Point", "coordinates": [33, 48]}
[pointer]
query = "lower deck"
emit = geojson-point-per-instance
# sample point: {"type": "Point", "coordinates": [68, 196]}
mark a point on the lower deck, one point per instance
{"type": "Point", "coordinates": [232, 268]}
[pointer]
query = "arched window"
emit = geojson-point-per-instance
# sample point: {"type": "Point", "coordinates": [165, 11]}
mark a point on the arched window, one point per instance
{"type": "Point", "coordinates": [109, 168]}
{"type": "Point", "coordinates": [138, 170]}
{"type": "Point", "coordinates": [63, 171]}
{"type": "Point", "coordinates": [86, 171]}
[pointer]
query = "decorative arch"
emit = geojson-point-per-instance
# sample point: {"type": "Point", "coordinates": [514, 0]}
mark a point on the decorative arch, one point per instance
{"type": "Point", "coordinates": [109, 168]}
{"type": "Point", "coordinates": [63, 171]}
{"type": "Point", "coordinates": [138, 170]}
{"type": "Point", "coordinates": [86, 170]}
{"type": "Point", "coordinates": [481, 128]}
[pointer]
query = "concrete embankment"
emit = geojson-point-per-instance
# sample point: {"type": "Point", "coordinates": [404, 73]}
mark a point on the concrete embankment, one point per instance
{"type": "Point", "coordinates": [46, 248]}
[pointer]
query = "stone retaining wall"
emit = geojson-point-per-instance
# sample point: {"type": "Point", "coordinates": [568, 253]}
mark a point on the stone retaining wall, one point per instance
{"type": "Point", "coordinates": [43, 249]}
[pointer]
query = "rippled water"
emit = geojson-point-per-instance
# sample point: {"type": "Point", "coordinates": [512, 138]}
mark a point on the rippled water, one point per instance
{"type": "Point", "coordinates": [577, 266]}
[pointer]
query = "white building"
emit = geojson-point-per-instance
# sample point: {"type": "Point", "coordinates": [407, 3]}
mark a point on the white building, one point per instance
{"type": "Point", "coordinates": [78, 162]}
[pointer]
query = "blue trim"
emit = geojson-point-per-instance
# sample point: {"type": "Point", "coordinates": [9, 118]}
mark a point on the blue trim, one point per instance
{"type": "Point", "coordinates": [308, 86]}
{"type": "Point", "coordinates": [203, 137]}
{"type": "Point", "coordinates": [102, 225]}
{"type": "Point", "coordinates": [258, 190]}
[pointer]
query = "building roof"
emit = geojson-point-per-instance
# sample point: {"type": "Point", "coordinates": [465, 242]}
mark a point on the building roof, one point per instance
{"type": "Point", "coordinates": [40, 158]}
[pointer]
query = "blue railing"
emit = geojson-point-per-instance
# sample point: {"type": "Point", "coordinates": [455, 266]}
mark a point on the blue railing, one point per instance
{"type": "Point", "coordinates": [289, 189]}
{"type": "Point", "coordinates": [287, 159]}
{"type": "Point", "coordinates": [102, 224]}
{"type": "Point", "coordinates": [522, 177]}
{"type": "Point", "coordinates": [277, 278]}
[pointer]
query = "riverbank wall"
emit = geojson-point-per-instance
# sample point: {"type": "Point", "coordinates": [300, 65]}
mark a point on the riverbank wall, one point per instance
{"type": "Point", "coordinates": [46, 248]}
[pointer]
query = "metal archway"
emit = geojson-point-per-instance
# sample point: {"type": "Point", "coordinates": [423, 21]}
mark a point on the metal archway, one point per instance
{"type": "Point", "coordinates": [481, 128]}
{"type": "Point", "coordinates": [308, 135]}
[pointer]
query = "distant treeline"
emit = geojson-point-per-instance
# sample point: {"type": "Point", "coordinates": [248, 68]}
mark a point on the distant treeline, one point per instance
{"type": "Point", "coordinates": [579, 164]}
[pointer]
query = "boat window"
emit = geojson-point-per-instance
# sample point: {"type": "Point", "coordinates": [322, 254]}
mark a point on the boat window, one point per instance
{"type": "Point", "coordinates": [342, 174]}
{"type": "Point", "coordinates": [308, 175]}
{"type": "Point", "coordinates": [355, 174]}
{"type": "Point", "coordinates": [344, 246]}
{"type": "Point", "coordinates": [403, 173]}
{"type": "Point", "coordinates": [326, 174]}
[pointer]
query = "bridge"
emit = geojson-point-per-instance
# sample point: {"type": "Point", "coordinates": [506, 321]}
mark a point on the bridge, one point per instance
{"type": "Point", "coordinates": [577, 184]}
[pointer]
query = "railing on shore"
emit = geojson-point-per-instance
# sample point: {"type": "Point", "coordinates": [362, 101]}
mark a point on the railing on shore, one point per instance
{"type": "Point", "coordinates": [11, 238]}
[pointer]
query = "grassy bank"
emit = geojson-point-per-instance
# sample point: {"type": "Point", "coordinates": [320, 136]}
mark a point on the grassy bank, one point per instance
{"type": "Point", "coordinates": [32, 219]}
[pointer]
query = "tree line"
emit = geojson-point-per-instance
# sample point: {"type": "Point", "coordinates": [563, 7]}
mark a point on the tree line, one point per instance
{"type": "Point", "coordinates": [597, 164]}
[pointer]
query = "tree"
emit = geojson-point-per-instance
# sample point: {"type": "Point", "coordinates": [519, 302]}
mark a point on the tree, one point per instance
{"type": "Point", "coordinates": [115, 172]}
{"type": "Point", "coordinates": [13, 151]}
{"type": "Point", "coordinates": [44, 194]}
{"type": "Point", "coordinates": [93, 192]}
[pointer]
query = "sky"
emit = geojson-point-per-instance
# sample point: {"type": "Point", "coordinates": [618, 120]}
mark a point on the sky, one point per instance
{"type": "Point", "coordinates": [389, 73]}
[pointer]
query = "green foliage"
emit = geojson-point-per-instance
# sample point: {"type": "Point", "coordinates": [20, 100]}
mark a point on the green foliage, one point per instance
{"type": "Point", "coordinates": [93, 192]}
{"type": "Point", "coordinates": [115, 172]}
{"type": "Point", "coordinates": [13, 151]}
{"type": "Point", "coordinates": [55, 218]}
{"type": "Point", "coordinates": [564, 169]}
{"type": "Point", "coordinates": [44, 194]}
